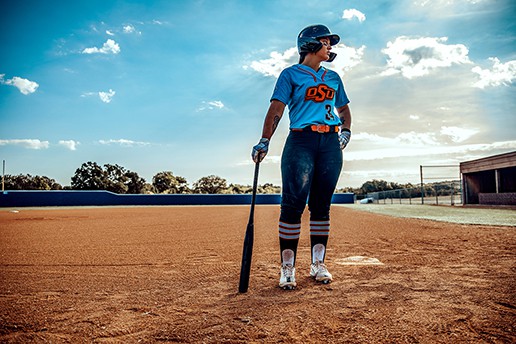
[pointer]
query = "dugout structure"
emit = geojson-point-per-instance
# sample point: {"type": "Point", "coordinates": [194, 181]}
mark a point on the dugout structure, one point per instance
{"type": "Point", "coordinates": [490, 181]}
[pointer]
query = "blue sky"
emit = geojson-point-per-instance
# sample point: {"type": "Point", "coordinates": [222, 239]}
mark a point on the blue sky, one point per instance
{"type": "Point", "coordinates": [183, 86]}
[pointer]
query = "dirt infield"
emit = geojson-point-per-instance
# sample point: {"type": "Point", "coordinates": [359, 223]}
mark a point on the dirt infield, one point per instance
{"type": "Point", "coordinates": [170, 274]}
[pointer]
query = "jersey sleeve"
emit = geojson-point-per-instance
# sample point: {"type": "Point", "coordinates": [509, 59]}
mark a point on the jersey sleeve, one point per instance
{"type": "Point", "coordinates": [283, 89]}
{"type": "Point", "coordinates": [341, 98]}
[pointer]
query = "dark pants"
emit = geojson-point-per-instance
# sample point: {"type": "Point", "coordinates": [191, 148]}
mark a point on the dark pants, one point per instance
{"type": "Point", "coordinates": [310, 168]}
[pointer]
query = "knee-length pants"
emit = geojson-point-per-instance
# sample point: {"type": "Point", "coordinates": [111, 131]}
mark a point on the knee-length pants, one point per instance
{"type": "Point", "coordinates": [310, 167]}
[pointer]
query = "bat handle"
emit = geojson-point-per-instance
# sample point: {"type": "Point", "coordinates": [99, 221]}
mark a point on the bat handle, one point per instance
{"type": "Point", "coordinates": [255, 187]}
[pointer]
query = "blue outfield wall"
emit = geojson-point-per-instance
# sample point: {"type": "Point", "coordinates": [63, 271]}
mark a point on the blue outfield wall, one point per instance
{"type": "Point", "coordinates": [53, 198]}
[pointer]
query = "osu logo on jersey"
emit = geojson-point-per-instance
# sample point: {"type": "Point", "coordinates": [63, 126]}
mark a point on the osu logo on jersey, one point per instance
{"type": "Point", "coordinates": [319, 93]}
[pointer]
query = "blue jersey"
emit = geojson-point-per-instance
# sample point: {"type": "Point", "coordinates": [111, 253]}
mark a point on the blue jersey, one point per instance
{"type": "Point", "coordinates": [311, 96]}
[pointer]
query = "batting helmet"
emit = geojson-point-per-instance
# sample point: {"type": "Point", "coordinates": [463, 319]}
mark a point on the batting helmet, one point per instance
{"type": "Point", "coordinates": [308, 40]}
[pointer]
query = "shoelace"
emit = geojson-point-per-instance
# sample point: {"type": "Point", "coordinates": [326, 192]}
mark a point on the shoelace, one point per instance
{"type": "Point", "coordinates": [287, 270]}
{"type": "Point", "coordinates": [321, 268]}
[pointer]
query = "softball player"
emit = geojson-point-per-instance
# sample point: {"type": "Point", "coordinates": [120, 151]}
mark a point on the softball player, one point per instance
{"type": "Point", "coordinates": [312, 157]}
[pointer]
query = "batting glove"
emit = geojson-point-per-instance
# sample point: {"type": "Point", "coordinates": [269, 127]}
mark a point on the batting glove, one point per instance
{"type": "Point", "coordinates": [344, 137]}
{"type": "Point", "coordinates": [260, 150]}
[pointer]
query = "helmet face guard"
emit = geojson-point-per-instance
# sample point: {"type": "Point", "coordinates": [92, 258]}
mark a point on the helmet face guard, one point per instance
{"type": "Point", "coordinates": [308, 40]}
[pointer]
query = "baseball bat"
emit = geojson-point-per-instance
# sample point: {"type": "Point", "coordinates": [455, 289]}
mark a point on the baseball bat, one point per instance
{"type": "Point", "coordinates": [247, 253]}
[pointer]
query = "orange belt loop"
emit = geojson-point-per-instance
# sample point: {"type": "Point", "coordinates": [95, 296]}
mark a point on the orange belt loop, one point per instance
{"type": "Point", "coordinates": [319, 128]}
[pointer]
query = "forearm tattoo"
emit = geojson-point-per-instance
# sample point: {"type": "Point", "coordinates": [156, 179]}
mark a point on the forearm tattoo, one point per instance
{"type": "Point", "coordinates": [275, 123]}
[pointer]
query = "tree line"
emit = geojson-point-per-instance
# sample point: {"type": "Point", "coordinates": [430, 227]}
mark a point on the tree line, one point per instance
{"type": "Point", "coordinates": [117, 179]}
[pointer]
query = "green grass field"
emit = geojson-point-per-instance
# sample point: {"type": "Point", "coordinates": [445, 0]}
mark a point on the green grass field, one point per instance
{"type": "Point", "coordinates": [456, 214]}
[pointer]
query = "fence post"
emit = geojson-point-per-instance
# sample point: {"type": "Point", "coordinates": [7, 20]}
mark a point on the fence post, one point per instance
{"type": "Point", "coordinates": [452, 200]}
{"type": "Point", "coordinates": [422, 187]}
{"type": "Point", "coordinates": [3, 175]}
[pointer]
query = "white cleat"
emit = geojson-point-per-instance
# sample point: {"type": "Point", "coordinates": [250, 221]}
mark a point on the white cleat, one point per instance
{"type": "Point", "coordinates": [319, 271]}
{"type": "Point", "coordinates": [288, 277]}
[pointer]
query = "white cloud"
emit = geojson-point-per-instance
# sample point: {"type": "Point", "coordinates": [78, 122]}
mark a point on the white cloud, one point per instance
{"type": "Point", "coordinates": [348, 57]}
{"type": "Point", "coordinates": [353, 13]}
{"type": "Point", "coordinates": [70, 144]}
{"type": "Point", "coordinates": [414, 117]}
{"type": "Point", "coordinates": [442, 9]}
{"type": "Point", "coordinates": [458, 134]}
{"type": "Point", "coordinates": [88, 94]}
{"type": "Point", "coordinates": [410, 138]}
{"type": "Point", "coordinates": [417, 139]}
{"type": "Point", "coordinates": [109, 33]}
{"type": "Point", "coordinates": [366, 146]}
{"type": "Point", "coordinates": [276, 63]}
{"type": "Point", "coordinates": [216, 103]}
{"type": "Point", "coordinates": [445, 3]}
{"type": "Point", "coordinates": [129, 29]}
{"type": "Point", "coordinates": [211, 105]}
{"type": "Point", "coordinates": [106, 97]}
{"type": "Point", "coordinates": [415, 57]}
{"type": "Point", "coordinates": [424, 151]}
{"type": "Point", "coordinates": [270, 160]}
{"type": "Point", "coordinates": [25, 86]}
{"type": "Point", "coordinates": [123, 142]}
{"type": "Point", "coordinates": [110, 47]}
{"type": "Point", "coordinates": [500, 74]}
{"type": "Point", "coordinates": [26, 143]}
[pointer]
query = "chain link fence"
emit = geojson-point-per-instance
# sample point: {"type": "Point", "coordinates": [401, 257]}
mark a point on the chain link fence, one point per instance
{"type": "Point", "coordinates": [444, 193]}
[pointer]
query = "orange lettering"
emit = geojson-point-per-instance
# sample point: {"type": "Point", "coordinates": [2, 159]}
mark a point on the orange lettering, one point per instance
{"type": "Point", "coordinates": [319, 93]}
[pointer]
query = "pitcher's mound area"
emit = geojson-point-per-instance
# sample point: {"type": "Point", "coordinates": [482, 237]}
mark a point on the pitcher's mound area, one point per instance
{"type": "Point", "coordinates": [170, 274]}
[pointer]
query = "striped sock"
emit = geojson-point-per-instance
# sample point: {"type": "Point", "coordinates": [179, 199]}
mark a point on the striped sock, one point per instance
{"type": "Point", "coordinates": [289, 237]}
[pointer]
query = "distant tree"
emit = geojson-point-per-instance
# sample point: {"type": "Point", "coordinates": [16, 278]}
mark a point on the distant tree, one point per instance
{"type": "Point", "coordinates": [19, 182]}
{"type": "Point", "coordinates": [376, 185]}
{"type": "Point", "coordinates": [238, 189]}
{"type": "Point", "coordinates": [135, 184]}
{"type": "Point", "coordinates": [45, 183]}
{"type": "Point", "coordinates": [114, 178]}
{"type": "Point", "coordinates": [349, 189]}
{"type": "Point", "coordinates": [28, 182]}
{"type": "Point", "coordinates": [269, 188]}
{"type": "Point", "coordinates": [90, 176]}
{"type": "Point", "coordinates": [148, 189]}
{"type": "Point", "coordinates": [266, 188]}
{"type": "Point", "coordinates": [15, 182]}
{"type": "Point", "coordinates": [445, 188]}
{"type": "Point", "coordinates": [210, 185]}
{"type": "Point", "coordinates": [369, 186]}
{"type": "Point", "coordinates": [166, 182]}
{"type": "Point", "coordinates": [428, 190]}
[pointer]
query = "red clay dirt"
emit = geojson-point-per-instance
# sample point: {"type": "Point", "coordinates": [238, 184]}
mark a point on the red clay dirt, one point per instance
{"type": "Point", "coordinates": [170, 274]}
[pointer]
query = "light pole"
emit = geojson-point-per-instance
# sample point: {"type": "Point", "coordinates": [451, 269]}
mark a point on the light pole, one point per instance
{"type": "Point", "coordinates": [3, 175]}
